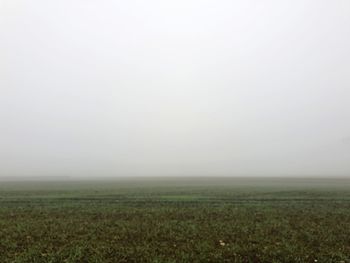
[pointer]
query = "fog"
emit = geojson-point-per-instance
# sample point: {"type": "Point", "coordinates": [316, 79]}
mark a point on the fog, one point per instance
{"type": "Point", "coordinates": [138, 88]}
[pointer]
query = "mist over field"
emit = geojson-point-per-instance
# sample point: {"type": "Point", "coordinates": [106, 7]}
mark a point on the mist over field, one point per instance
{"type": "Point", "coordinates": [174, 88]}
{"type": "Point", "coordinates": [174, 131]}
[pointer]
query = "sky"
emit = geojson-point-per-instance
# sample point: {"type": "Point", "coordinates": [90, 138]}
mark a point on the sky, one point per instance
{"type": "Point", "coordinates": [164, 88]}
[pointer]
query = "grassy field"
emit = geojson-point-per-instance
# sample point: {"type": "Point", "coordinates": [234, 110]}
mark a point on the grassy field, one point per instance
{"type": "Point", "coordinates": [176, 220]}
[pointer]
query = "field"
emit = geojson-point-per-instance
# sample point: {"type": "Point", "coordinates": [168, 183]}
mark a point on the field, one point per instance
{"type": "Point", "coordinates": [176, 220]}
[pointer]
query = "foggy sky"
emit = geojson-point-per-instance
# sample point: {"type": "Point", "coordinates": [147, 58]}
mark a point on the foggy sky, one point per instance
{"type": "Point", "coordinates": [188, 87]}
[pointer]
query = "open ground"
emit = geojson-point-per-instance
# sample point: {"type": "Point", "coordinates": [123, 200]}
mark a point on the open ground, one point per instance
{"type": "Point", "coordinates": [176, 220]}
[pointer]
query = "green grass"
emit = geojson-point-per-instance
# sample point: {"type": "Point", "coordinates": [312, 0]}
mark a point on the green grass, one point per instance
{"type": "Point", "coordinates": [176, 220]}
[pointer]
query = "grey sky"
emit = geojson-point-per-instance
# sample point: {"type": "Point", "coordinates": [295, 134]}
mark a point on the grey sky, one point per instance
{"type": "Point", "coordinates": [187, 87]}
